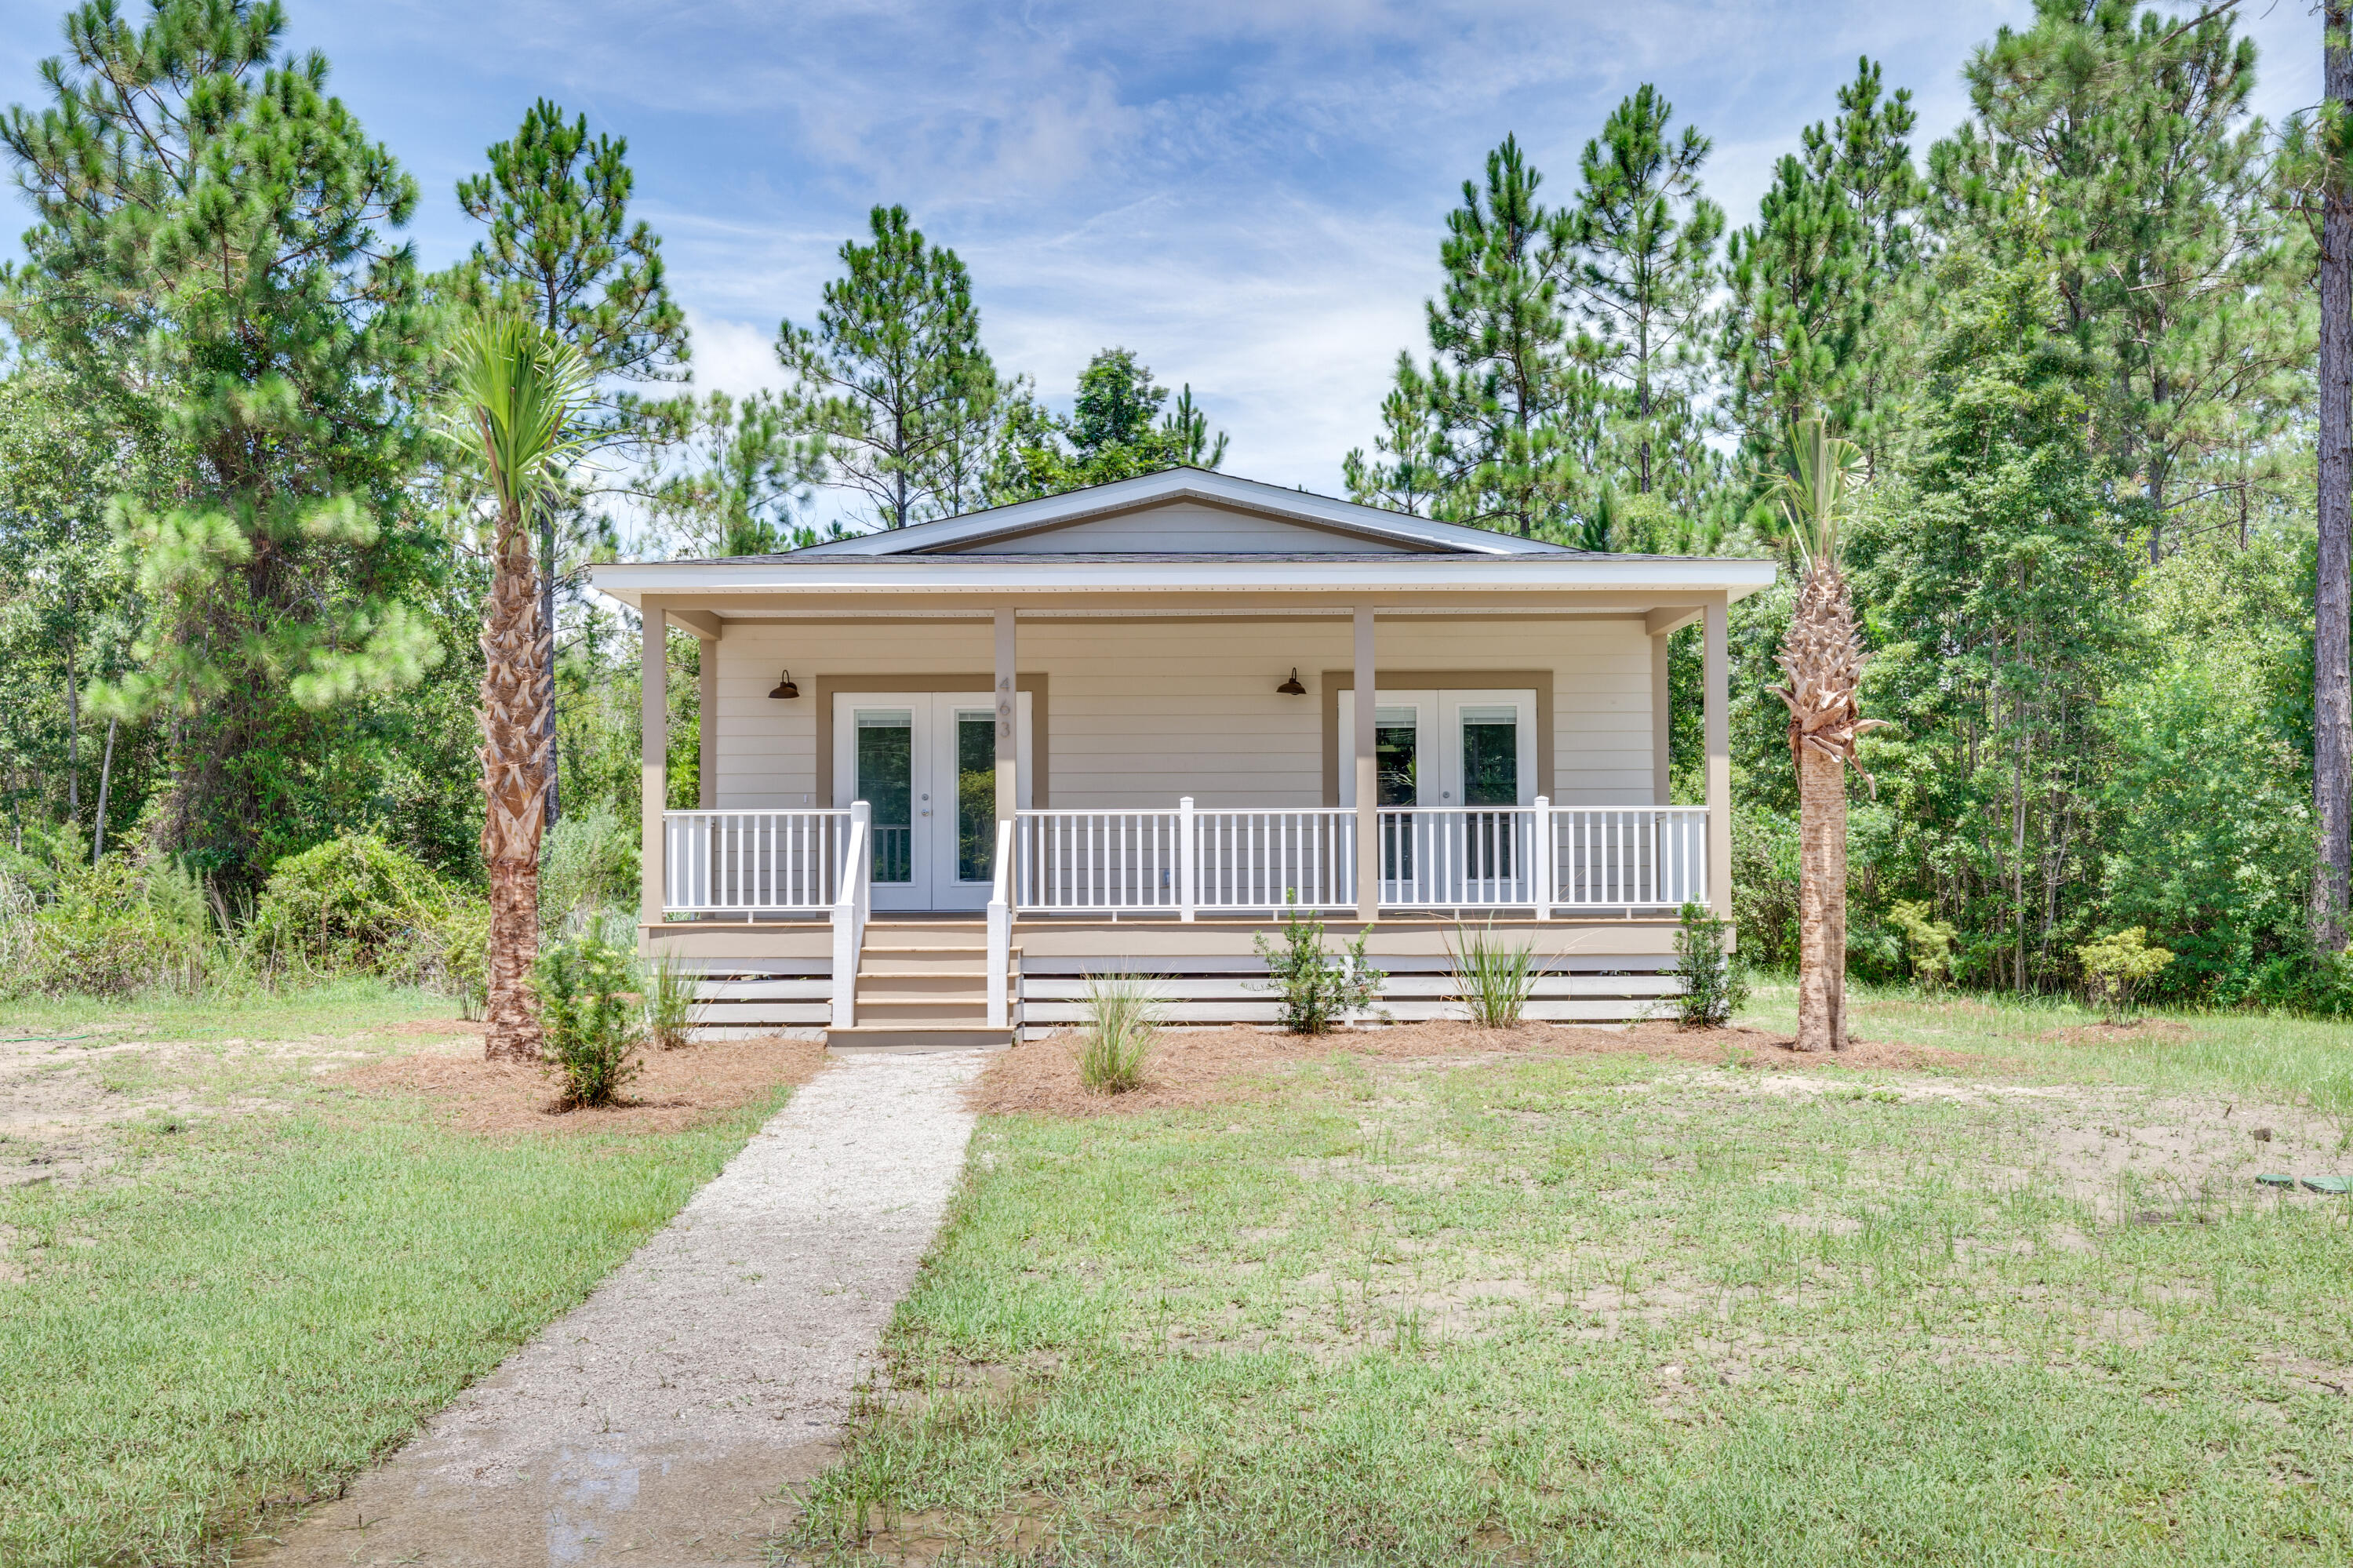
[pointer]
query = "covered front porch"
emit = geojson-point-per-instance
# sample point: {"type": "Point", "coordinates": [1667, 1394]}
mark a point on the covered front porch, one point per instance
{"type": "Point", "coordinates": [966, 755]}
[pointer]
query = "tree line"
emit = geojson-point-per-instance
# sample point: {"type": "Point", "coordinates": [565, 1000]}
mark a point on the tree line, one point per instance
{"type": "Point", "coordinates": [2075, 344]}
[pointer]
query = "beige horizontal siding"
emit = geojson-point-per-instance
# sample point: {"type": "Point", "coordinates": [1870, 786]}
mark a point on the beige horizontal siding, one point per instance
{"type": "Point", "coordinates": [1140, 714]}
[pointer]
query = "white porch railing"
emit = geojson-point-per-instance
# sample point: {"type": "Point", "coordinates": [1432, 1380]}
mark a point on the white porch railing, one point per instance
{"type": "Point", "coordinates": [1188, 860]}
{"type": "Point", "coordinates": [1225, 861]}
{"type": "Point", "coordinates": [1637, 857]}
{"type": "Point", "coordinates": [742, 862]}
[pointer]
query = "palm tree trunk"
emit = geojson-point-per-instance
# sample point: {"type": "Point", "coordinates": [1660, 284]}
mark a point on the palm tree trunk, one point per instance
{"type": "Point", "coordinates": [514, 772]}
{"type": "Point", "coordinates": [1821, 898]}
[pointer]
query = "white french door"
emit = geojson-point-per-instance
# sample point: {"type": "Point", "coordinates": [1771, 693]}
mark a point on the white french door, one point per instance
{"type": "Point", "coordinates": [1466, 746]}
{"type": "Point", "coordinates": [926, 764]}
{"type": "Point", "coordinates": [1451, 766]}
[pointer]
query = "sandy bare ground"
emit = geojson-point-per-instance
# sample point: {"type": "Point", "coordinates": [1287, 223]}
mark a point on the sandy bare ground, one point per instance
{"type": "Point", "coordinates": [660, 1421]}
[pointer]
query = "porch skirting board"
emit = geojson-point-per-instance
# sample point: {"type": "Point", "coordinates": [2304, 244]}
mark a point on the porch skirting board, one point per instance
{"type": "Point", "coordinates": [743, 998]}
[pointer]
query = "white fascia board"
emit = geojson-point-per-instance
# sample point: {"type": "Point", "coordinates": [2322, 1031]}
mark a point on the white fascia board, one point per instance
{"type": "Point", "coordinates": [1406, 575]}
{"type": "Point", "coordinates": [1179, 484]}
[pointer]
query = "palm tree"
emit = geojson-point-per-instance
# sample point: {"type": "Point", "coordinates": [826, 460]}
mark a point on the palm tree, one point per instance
{"type": "Point", "coordinates": [517, 391]}
{"type": "Point", "coordinates": [1822, 657]}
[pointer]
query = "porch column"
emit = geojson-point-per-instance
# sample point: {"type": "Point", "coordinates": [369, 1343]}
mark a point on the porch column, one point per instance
{"type": "Point", "coordinates": [653, 757]}
{"type": "Point", "coordinates": [706, 726]}
{"type": "Point", "coordinates": [1719, 757]}
{"type": "Point", "coordinates": [1368, 788]}
{"type": "Point", "coordinates": [1663, 720]}
{"type": "Point", "coordinates": [1009, 719]}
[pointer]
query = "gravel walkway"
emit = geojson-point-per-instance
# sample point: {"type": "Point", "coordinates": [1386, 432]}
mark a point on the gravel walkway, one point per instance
{"type": "Point", "coordinates": [657, 1423]}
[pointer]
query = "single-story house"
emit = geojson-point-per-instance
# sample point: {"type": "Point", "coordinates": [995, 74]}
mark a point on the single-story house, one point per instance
{"type": "Point", "coordinates": [950, 770]}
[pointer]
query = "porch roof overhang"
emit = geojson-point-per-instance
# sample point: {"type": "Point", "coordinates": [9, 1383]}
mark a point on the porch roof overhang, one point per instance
{"type": "Point", "coordinates": [755, 584]}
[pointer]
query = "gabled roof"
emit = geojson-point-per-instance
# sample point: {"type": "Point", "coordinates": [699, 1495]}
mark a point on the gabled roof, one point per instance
{"type": "Point", "coordinates": [973, 531]}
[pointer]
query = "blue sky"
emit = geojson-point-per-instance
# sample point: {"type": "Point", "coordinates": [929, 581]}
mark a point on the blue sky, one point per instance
{"type": "Point", "coordinates": [1249, 193]}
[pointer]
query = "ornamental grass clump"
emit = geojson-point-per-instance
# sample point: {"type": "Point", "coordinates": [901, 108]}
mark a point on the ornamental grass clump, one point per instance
{"type": "Point", "coordinates": [1124, 1015]}
{"type": "Point", "coordinates": [591, 1015]}
{"type": "Point", "coordinates": [1317, 988]}
{"type": "Point", "coordinates": [672, 1003]}
{"type": "Point", "coordinates": [1494, 980]}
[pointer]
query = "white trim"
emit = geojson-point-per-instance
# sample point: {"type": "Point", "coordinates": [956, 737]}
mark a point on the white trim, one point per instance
{"type": "Point", "coordinates": [629, 582]}
{"type": "Point", "coordinates": [1181, 484]}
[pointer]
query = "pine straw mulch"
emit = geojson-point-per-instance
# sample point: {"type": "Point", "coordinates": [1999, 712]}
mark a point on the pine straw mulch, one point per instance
{"type": "Point", "coordinates": [675, 1090]}
{"type": "Point", "coordinates": [1207, 1066]}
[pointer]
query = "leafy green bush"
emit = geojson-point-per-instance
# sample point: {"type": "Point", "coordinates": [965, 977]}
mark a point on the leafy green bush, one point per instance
{"type": "Point", "coordinates": [1716, 983]}
{"type": "Point", "coordinates": [587, 862]}
{"type": "Point", "coordinates": [112, 930]}
{"type": "Point", "coordinates": [592, 1015]}
{"type": "Point", "coordinates": [1494, 980]}
{"type": "Point", "coordinates": [2116, 967]}
{"type": "Point", "coordinates": [1316, 988]}
{"type": "Point", "coordinates": [1927, 941]}
{"type": "Point", "coordinates": [353, 904]}
{"type": "Point", "coordinates": [1124, 1014]}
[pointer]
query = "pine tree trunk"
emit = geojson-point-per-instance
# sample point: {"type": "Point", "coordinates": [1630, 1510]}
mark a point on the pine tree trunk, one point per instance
{"type": "Point", "coordinates": [514, 765]}
{"type": "Point", "coordinates": [1821, 900]}
{"type": "Point", "coordinates": [2332, 748]}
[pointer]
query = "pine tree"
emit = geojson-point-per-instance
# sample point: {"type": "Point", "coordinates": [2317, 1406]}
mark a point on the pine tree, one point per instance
{"type": "Point", "coordinates": [2317, 167]}
{"type": "Point", "coordinates": [1646, 240]}
{"type": "Point", "coordinates": [893, 378]}
{"type": "Point", "coordinates": [1800, 309]}
{"type": "Point", "coordinates": [562, 250]}
{"type": "Point", "coordinates": [1866, 153]}
{"type": "Point", "coordinates": [2130, 131]}
{"type": "Point", "coordinates": [211, 253]}
{"type": "Point", "coordinates": [1510, 403]}
{"type": "Point", "coordinates": [1120, 427]}
{"type": "Point", "coordinates": [747, 471]}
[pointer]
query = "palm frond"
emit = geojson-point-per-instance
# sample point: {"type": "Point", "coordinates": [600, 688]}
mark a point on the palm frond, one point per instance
{"type": "Point", "coordinates": [517, 391]}
{"type": "Point", "coordinates": [1817, 490]}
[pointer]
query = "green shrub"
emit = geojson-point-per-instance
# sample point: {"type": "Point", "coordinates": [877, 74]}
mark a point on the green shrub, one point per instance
{"type": "Point", "coordinates": [1927, 941]}
{"type": "Point", "coordinates": [1494, 980]}
{"type": "Point", "coordinates": [1716, 983]}
{"type": "Point", "coordinates": [1124, 1014]}
{"type": "Point", "coordinates": [587, 862]}
{"type": "Point", "coordinates": [592, 1015]}
{"type": "Point", "coordinates": [112, 930]}
{"type": "Point", "coordinates": [2116, 967]}
{"type": "Point", "coordinates": [1316, 987]}
{"type": "Point", "coordinates": [355, 905]}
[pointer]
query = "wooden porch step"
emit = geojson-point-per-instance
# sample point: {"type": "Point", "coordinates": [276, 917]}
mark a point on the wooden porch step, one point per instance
{"type": "Point", "coordinates": [874, 961]}
{"type": "Point", "coordinates": [960, 1007]}
{"type": "Point", "coordinates": [881, 1038]}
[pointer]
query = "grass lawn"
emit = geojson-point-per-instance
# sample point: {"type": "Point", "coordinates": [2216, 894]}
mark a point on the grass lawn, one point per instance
{"type": "Point", "coordinates": [1604, 1309]}
{"type": "Point", "coordinates": [266, 1279]}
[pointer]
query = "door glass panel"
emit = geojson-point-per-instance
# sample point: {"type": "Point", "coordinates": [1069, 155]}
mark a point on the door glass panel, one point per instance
{"type": "Point", "coordinates": [1396, 759]}
{"type": "Point", "coordinates": [1491, 777]}
{"type": "Point", "coordinates": [1491, 757]}
{"type": "Point", "coordinates": [1396, 765]}
{"type": "Point", "coordinates": [975, 796]}
{"type": "Point", "coordinates": [886, 781]}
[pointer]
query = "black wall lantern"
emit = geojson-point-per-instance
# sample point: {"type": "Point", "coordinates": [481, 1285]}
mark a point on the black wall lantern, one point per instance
{"type": "Point", "coordinates": [1292, 688]}
{"type": "Point", "coordinates": [785, 689]}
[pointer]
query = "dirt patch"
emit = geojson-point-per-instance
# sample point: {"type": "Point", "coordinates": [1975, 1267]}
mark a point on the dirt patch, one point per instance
{"type": "Point", "coordinates": [676, 1090]}
{"type": "Point", "coordinates": [2138, 1030]}
{"type": "Point", "coordinates": [1207, 1066]}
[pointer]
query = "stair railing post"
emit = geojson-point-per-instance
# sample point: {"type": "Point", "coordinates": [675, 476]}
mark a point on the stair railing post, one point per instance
{"type": "Point", "coordinates": [1543, 867]}
{"type": "Point", "coordinates": [1000, 931]}
{"type": "Point", "coordinates": [849, 908]}
{"type": "Point", "coordinates": [1184, 858]}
